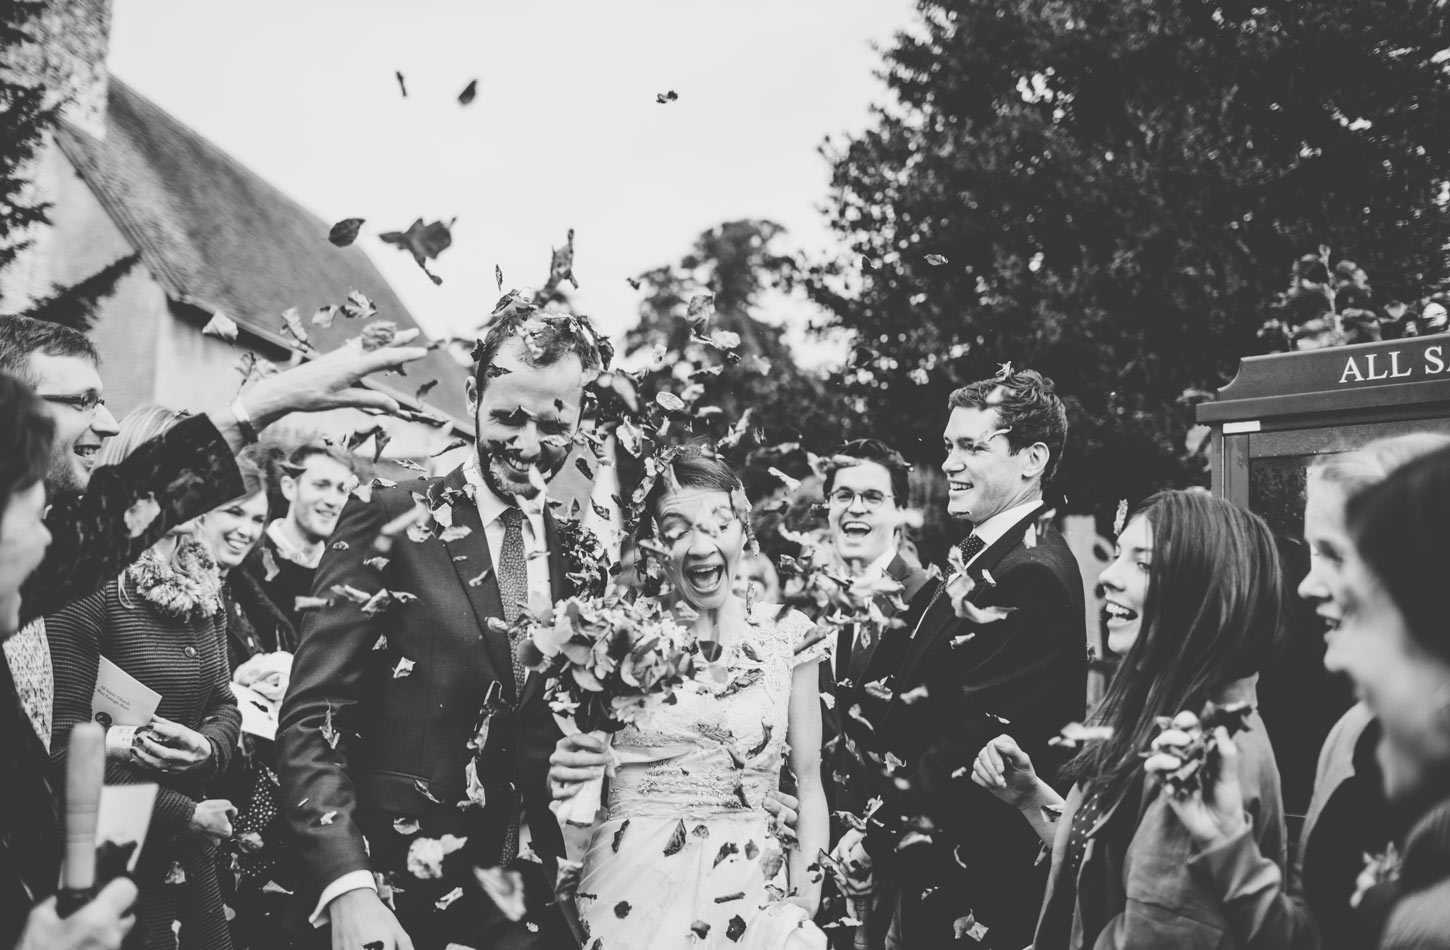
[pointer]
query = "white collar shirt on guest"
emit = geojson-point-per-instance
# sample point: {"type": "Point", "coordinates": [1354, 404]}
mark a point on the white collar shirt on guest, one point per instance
{"type": "Point", "coordinates": [991, 530]}
{"type": "Point", "coordinates": [490, 506]}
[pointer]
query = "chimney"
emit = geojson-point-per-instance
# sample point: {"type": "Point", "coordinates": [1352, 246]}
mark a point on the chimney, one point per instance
{"type": "Point", "coordinates": [67, 55]}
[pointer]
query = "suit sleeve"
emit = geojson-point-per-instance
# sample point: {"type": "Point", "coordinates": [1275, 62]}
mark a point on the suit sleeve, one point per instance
{"type": "Point", "coordinates": [1028, 669]}
{"type": "Point", "coordinates": [75, 643]}
{"type": "Point", "coordinates": [327, 680]}
{"type": "Point", "coordinates": [187, 470]}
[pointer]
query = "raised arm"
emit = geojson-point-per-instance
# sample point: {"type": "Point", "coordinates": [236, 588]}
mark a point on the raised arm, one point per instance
{"type": "Point", "coordinates": [813, 824]}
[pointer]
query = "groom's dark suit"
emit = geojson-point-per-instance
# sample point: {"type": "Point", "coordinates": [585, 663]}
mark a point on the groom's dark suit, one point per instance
{"type": "Point", "coordinates": [402, 736]}
{"type": "Point", "coordinates": [1029, 669]}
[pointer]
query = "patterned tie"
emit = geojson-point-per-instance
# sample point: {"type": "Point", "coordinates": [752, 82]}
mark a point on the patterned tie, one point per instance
{"type": "Point", "coordinates": [513, 583]}
{"type": "Point", "coordinates": [970, 548]}
{"type": "Point", "coordinates": [513, 588]}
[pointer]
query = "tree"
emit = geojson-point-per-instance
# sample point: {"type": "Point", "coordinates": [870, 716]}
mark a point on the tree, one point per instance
{"type": "Point", "coordinates": [701, 337]}
{"type": "Point", "coordinates": [24, 118]}
{"type": "Point", "coordinates": [1111, 192]}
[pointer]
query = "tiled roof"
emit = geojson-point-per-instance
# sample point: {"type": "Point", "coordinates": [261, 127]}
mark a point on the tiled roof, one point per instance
{"type": "Point", "coordinates": [219, 237]}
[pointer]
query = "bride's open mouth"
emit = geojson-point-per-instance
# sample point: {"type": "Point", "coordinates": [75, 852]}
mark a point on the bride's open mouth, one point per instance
{"type": "Point", "coordinates": [706, 578]}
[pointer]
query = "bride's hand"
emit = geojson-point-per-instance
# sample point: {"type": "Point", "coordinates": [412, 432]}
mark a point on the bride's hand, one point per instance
{"type": "Point", "coordinates": [577, 759]}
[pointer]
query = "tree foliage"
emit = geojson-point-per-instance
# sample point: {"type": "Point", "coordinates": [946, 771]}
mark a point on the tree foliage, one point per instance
{"type": "Point", "coordinates": [1111, 192]}
{"type": "Point", "coordinates": [725, 279]}
{"type": "Point", "coordinates": [24, 117]}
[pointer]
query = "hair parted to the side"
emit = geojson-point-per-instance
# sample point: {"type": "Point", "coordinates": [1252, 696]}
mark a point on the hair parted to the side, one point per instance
{"type": "Point", "coordinates": [22, 336]}
{"type": "Point", "coordinates": [549, 337]}
{"type": "Point", "coordinates": [1212, 615]}
{"type": "Point", "coordinates": [1399, 528]}
{"type": "Point", "coordinates": [297, 460]}
{"type": "Point", "coordinates": [873, 450]}
{"type": "Point", "coordinates": [140, 426]}
{"type": "Point", "coordinates": [1027, 406]}
{"type": "Point", "coordinates": [26, 433]}
{"type": "Point", "coordinates": [1351, 472]}
{"type": "Point", "coordinates": [252, 463]}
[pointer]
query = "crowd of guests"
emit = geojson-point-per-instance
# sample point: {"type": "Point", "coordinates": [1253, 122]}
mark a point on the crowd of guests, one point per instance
{"type": "Point", "coordinates": [930, 772]}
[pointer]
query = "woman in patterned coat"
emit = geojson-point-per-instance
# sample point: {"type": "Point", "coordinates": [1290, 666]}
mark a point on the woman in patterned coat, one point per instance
{"type": "Point", "coordinates": [161, 621]}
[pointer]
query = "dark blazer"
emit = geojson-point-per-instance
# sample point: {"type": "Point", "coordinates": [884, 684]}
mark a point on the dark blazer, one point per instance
{"type": "Point", "coordinates": [402, 740]}
{"type": "Point", "coordinates": [848, 784]}
{"type": "Point", "coordinates": [1025, 675]}
{"type": "Point", "coordinates": [188, 469]}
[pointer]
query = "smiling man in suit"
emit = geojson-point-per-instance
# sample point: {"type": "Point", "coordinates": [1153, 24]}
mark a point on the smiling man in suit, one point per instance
{"type": "Point", "coordinates": [381, 730]}
{"type": "Point", "coordinates": [957, 856]}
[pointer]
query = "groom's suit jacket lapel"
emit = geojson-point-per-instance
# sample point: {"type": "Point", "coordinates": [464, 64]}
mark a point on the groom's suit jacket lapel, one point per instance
{"type": "Point", "coordinates": [471, 558]}
{"type": "Point", "coordinates": [939, 618]}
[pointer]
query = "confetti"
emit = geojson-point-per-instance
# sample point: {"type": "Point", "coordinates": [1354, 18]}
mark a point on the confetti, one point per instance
{"type": "Point", "coordinates": [221, 326]}
{"type": "Point", "coordinates": [345, 231]}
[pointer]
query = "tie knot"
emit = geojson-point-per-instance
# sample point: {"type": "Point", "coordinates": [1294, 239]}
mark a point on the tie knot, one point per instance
{"type": "Point", "coordinates": [971, 547]}
{"type": "Point", "coordinates": [511, 517]}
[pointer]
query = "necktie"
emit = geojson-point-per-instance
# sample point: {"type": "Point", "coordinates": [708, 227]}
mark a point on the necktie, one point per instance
{"type": "Point", "coordinates": [513, 588]}
{"type": "Point", "coordinates": [513, 582]}
{"type": "Point", "coordinates": [970, 548]}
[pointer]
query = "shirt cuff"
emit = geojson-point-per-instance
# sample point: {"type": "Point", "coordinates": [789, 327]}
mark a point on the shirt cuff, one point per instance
{"type": "Point", "coordinates": [351, 881]}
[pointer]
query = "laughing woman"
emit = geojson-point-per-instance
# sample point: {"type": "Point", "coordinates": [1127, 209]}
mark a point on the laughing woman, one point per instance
{"type": "Point", "coordinates": [641, 888]}
{"type": "Point", "coordinates": [162, 623]}
{"type": "Point", "coordinates": [1394, 643]}
{"type": "Point", "coordinates": [1194, 599]}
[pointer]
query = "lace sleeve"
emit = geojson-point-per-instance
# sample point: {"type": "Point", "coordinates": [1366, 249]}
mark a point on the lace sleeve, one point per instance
{"type": "Point", "coordinates": [810, 642]}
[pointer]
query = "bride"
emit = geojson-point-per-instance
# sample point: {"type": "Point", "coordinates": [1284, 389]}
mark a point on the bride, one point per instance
{"type": "Point", "coordinates": [686, 855]}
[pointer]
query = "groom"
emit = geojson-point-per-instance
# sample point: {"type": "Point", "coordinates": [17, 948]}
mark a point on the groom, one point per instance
{"type": "Point", "coordinates": [374, 738]}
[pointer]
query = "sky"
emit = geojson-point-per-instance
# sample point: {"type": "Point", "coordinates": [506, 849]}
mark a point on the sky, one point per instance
{"type": "Point", "coordinates": [565, 131]}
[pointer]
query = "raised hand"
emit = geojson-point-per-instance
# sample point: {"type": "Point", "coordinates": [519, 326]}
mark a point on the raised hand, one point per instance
{"type": "Point", "coordinates": [1217, 815]}
{"type": "Point", "coordinates": [577, 759]}
{"type": "Point", "coordinates": [1003, 769]}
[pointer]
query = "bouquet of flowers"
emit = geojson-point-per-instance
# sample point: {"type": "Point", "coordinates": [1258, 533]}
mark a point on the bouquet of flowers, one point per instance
{"type": "Point", "coordinates": [606, 662]}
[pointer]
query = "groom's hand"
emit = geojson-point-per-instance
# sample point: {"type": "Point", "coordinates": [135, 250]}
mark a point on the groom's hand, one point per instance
{"type": "Point", "coordinates": [361, 920]}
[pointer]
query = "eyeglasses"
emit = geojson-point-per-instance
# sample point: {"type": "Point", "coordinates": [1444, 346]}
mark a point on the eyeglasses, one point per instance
{"type": "Point", "coordinates": [871, 499]}
{"type": "Point", "coordinates": [84, 402]}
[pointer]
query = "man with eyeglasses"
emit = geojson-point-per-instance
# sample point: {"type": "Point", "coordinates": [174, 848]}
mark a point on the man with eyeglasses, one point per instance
{"type": "Point", "coordinates": [968, 672]}
{"type": "Point", "coordinates": [101, 521]}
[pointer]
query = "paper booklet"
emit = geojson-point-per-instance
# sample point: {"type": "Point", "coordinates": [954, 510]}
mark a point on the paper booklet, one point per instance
{"type": "Point", "coordinates": [121, 825]}
{"type": "Point", "coordinates": [120, 699]}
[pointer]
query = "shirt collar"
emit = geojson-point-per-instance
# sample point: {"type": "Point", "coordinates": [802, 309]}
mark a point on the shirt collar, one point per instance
{"type": "Point", "coordinates": [490, 505]}
{"type": "Point", "coordinates": [991, 530]}
{"type": "Point", "coordinates": [879, 566]}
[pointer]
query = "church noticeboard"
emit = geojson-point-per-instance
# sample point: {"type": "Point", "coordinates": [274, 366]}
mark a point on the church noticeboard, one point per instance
{"type": "Point", "coordinates": [1271, 422]}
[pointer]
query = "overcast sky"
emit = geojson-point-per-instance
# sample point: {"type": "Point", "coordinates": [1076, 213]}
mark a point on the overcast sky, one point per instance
{"type": "Point", "coordinates": [564, 132]}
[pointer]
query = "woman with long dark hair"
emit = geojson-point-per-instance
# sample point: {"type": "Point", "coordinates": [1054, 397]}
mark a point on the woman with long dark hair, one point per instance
{"type": "Point", "coordinates": [1194, 598]}
{"type": "Point", "coordinates": [161, 622]}
{"type": "Point", "coordinates": [1394, 642]}
{"type": "Point", "coordinates": [1322, 905]}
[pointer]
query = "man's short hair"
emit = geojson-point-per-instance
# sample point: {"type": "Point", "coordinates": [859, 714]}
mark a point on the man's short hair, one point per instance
{"type": "Point", "coordinates": [22, 336]}
{"type": "Point", "coordinates": [297, 461]}
{"type": "Point", "coordinates": [873, 450]}
{"type": "Point", "coordinates": [1027, 406]}
{"type": "Point", "coordinates": [548, 338]}
{"type": "Point", "coordinates": [26, 432]}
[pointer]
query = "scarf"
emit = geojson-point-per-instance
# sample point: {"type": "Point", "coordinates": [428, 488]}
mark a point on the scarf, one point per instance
{"type": "Point", "coordinates": [187, 587]}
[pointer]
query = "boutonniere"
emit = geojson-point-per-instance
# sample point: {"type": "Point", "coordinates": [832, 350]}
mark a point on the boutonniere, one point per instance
{"type": "Point", "coordinates": [962, 585]}
{"type": "Point", "coordinates": [1379, 868]}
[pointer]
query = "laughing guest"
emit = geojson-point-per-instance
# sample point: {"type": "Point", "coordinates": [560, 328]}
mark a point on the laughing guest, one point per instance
{"type": "Point", "coordinates": [316, 480]}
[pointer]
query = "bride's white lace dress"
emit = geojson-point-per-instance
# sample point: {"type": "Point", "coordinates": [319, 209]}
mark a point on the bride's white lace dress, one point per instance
{"type": "Point", "coordinates": [686, 857]}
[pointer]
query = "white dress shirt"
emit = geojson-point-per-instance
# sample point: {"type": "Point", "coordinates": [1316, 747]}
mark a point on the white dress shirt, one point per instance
{"type": "Point", "coordinates": [490, 507]}
{"type": "Point", "coordinates": [991, 530]}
